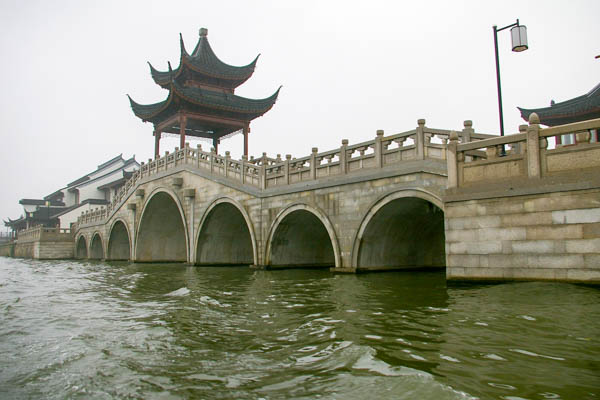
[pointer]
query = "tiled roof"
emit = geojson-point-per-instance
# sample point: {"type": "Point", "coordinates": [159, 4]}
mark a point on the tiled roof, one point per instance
{"type": "Point", "coordinates": [203, 61]}
{"type": "Point", "coordinates": [577, 109]}
{"type": "Point", "coordinates": [249, 108]}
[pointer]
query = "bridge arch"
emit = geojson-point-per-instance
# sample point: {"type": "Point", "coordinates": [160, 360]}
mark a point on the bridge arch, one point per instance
{"type": "Point", "coordinates": [119, 243]}
{"type": "Point", "coordinates": [96, 247]}
{"type": "Point", "coordinates": [81, 249]}
{"type": "Point", "coordinates": [402, 229]}
{"type": "Point", "coordinates": [300, 236]}
{"type": "Point", "coordinates": [226, 235]}
{"type": "Point", "coordinates": [162, 234]}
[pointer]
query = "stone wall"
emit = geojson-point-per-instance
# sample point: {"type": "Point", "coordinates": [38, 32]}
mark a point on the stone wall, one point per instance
{"type": "Point", "coordinates": [553, 236]}
{"type": "Point", "coordinates": [6, 249]}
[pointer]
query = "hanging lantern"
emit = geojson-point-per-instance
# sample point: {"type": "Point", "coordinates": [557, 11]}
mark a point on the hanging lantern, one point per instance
{"type": "Point", "coordinates": [519, 38]}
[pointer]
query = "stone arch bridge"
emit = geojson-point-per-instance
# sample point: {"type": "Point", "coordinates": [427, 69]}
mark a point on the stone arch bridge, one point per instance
{"type": "Point", "coordinates": [372, 205]}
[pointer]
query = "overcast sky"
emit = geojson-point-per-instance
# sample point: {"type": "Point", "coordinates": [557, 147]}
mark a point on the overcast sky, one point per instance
{"type": "Point", "coordinates": [347, 68]}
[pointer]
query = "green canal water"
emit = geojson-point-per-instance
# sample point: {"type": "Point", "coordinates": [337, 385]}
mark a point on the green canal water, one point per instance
{"type": "Point", "coordinates": [81, 330]}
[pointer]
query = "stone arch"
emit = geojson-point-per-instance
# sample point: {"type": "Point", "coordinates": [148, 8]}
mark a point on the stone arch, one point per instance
{"type": "Point", "coordinates": [96, 248]}
{"type": "Point", "coordinates": [302, 236]}
{"type": "Point", "coordinates": [226, 235]}
{"type": "Point", "coordinates": [81, 250]}
{"type": "Point", "coordinates": [404, 229]}
{"type": "Point", "coordinates": [119, 244]}
{"type": "Point", "coordinates": [162, 231]}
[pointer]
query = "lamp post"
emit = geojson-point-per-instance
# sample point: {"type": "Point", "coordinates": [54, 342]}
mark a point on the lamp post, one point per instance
{"type": "Point", "coordinates": [519, 43]}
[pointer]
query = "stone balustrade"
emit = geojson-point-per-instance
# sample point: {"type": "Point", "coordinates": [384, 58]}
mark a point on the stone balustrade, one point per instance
{"type": "Point", "coordinates": [523, 156]}
{"type": "Point", "coordinates": [265, 172]}
{"type": "Point", "coordinates": [40, 233]}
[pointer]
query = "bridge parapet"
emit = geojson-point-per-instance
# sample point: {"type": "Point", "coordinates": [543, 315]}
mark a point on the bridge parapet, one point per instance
{"type": "Point", "coordinates": [526, 155]}
{"type": "Point", "coordinates": [264, 172]}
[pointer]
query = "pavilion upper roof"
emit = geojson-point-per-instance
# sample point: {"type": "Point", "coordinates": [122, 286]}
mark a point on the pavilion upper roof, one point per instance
{"type": "Point", "coordinates": [204, 66]}
{"type": "Point", "coordinates": [577, 109]}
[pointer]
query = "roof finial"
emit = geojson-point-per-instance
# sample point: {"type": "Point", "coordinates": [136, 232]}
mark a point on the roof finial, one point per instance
{"type": "Point", "coordinates": [203, 32]}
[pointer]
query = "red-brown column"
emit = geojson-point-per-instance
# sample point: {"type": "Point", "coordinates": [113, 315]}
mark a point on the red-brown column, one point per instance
{"type": "Point", "coordinates": [246, 131]}
{"type": "Point", "coordinates": [157, 135]}
{"type": "Point", "coordinates": [216, 145]}
{"type": "Point", "coordinates": [182, 132]}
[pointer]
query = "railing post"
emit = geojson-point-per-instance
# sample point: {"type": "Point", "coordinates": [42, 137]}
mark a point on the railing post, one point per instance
{"type": "Point", "coordinates": [186, 150]}
{"type": "Point", "coordinates": [313, 163]}
{"type": "Point", "coordinates": [378, 149]}
{"type": "Point", "coordinates": [198, 150]}
{"type": "Point", "coordinates": [212, 160]}
{"type": "Point", "coordinates": [243, 168]}
{"type": "Point", "coordinates": [227, 158]}
{"type": "Point", "coordinates": [263, 176]}
{"type": "Point", "coordinates": [533, 147]}
{"type": "Point", "coordinates": [344, 157]}
{"type": "Point", "coordinates": [286, 168]}
{"type": "Point", "coordinates": [420, 139]}
{"type": "Point", "coordinates": [452, 160]}
{"type": "Point", "coordinates": [166, 160]}
{"type": "Point", "coordinates": [467, 131]}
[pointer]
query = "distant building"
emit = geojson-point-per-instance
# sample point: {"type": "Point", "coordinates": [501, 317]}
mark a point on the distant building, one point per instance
{"type": "Point", "coordinates": [581, 108]}
{"type": "Point", "coordinates": [62, 207]}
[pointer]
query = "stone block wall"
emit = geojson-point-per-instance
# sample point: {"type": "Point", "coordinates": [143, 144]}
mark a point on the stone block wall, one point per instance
{"type": "Point", "coordinates": [548, 236]}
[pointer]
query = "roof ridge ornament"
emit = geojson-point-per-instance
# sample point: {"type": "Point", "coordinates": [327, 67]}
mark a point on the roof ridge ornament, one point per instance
{"type": "Point", "coordinates": [203, 32]}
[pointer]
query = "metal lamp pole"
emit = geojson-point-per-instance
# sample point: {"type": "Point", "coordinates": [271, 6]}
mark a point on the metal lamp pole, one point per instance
{"type": "Point", "coordinates": [519, 43]}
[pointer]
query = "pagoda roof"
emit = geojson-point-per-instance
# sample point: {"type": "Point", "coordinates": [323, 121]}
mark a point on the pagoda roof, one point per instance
{"type": "Point", "coordinates": [241, 108]}
{"type": "Point", "coordinates": [40, 202]}
{"type": "Point", "coordinates": [204, 62]}
{"type": "Point", "coordinates": [580, 108]}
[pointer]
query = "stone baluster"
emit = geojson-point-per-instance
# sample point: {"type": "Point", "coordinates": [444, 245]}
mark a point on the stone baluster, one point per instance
{"type": "Point", "coordinates": [198, 151]}
{"type": "Point", "coordinates": [344, 157]}
{"type": "Point", "coordinates": [212, 160]}
{"type": "Point", "coordinates": [533, 147]}
{"type": "Point", "coordinates": [378, 149]}
{"type": "Point", "coordinates": [186, 151]}
{"type": "Point", "coordinates": [583, 137]}
{"type": "Point", "coordinates": [313, 163]}
{"type": "Point", "coordinates": [420, 139]}
{"type": "Point", "coordinates": [452, 160]}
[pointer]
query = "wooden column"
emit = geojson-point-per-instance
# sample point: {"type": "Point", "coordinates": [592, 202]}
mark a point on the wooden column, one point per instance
{"type": "Point", "coordinates": [182, 124]}
{"type": "Point", "coordinates": [216, 145]}
{"type": "Point", "coordinates": [246, 131]}
{"type": "Point", "coordinates": [157, 135]}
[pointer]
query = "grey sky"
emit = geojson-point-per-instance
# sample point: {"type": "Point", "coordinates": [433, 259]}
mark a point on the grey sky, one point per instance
{"type": "Point", "coordinates": [347, 68]}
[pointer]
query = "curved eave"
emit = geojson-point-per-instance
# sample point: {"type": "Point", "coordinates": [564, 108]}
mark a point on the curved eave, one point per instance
{"type": "Point", "coordinates": [146, 112]}
{"type": "Point", "coordinates": [163, 78]}
{"type": "Point", "coordinates": [586, 106]}
{"type": "Point", "coordinates": [226, 101]}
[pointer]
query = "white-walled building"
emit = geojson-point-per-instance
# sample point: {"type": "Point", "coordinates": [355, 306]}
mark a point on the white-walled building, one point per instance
{"type": "Point", "coordinates": [91, 191]}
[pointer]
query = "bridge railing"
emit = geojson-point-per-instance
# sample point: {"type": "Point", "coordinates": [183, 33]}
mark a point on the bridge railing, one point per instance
{"type": "Point", "coordinates": [524, 155]}
{"type": "Point", "coordinates": [265, 172]}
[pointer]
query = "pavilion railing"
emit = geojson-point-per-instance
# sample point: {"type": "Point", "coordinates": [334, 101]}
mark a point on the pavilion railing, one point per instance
{"type": "Point", "coordinates": [264, 172]}
{"type": "Point", "coordinates": [524, 155]}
